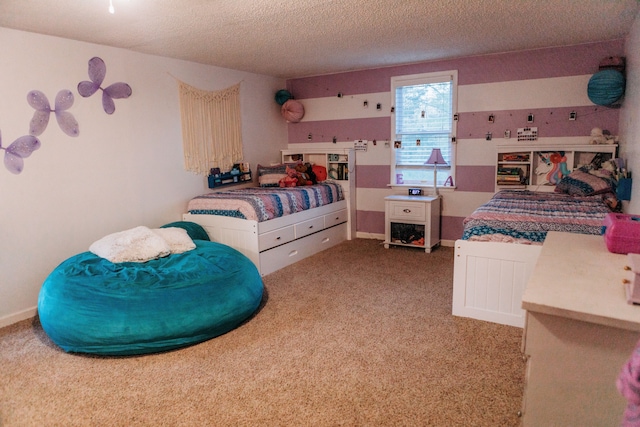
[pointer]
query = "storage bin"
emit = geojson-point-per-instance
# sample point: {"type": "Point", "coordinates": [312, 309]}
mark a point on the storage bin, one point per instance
{"type": "Point", "coordinates": [622, 233]}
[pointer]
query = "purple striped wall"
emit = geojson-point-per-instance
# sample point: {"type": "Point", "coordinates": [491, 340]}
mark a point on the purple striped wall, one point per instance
{"type": "Point", "coordinates": [468, 178]}
{"type": "Point", "coordinates": [344, 130]}
{"type": "Point", "coordinates": [551, 122]}
{"type": "Point", "coordinates": [475, 178]}
{"type": "Point", "coordinates": [372, 176]}
{"type": "Point", "coordinates": [451, 227]}
{"type": "Point", "coordinates": [532, 64]}
{"type": "Point", "coordinates": [370, 222]}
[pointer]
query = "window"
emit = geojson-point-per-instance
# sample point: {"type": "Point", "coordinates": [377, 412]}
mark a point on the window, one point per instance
{"type": "Point", "coordinates": [425, 105]}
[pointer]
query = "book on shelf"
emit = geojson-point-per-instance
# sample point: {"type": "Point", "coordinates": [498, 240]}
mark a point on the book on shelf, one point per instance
{"type": "Point", "coordinates": [510, 182]}
{"type": "Point", "coordinates": [517, 178]}
{"type": "Point", "coordinates": [510, 171]}
{"type": "Point", "coordinates": [515, 157]}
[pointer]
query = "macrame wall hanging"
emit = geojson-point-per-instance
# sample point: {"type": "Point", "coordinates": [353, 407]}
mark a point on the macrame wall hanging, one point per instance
{"type": "Point", "coordinates": [211, 128]}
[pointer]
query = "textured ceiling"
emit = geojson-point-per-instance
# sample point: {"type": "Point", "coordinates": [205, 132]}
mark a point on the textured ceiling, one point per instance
{"type": "Point", "coordinates": [310, 37]}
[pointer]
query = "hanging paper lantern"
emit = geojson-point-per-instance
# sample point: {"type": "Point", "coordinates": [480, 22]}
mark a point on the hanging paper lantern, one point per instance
{"type": "Point", "coordinates": [292, 111]}
{"type": "Point", "coordinates": [606, 87]}
{"type": "Point", "coordinates": [283, 96]}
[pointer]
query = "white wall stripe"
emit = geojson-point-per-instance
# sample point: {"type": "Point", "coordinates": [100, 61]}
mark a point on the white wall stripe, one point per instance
{"type": "Point", "coordinates": [511, 95]}
{"type": "Point", "coordinates": [480, 152]}
{"type": "Point", "coordinates": [475, 152]}
{"type": "Point", "coordinates": [463, 203]}
{"type": "Point", "coordinates": [379, 154]}
{"type": "Point", "coordinates": [347, 107]}
{"type": "Point", "coordinates": [523, 94]}
{"type": "Point", "coordinates": [372, 199]}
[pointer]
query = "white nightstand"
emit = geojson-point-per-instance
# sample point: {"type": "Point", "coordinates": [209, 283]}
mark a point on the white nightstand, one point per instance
{"type": "Point", "coordinates": [412, 221]}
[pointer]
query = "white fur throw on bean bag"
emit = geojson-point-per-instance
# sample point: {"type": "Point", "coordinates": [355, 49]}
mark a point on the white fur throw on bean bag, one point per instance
{"type": "Point", "coordinates": [177, 238]}
{"type": "Point", "coordinates": [138, 244]}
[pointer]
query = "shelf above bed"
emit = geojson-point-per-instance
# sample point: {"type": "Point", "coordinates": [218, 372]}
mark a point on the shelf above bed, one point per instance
{"type": "Point", "coordinates": [222, 179]}
{"type": "Point", "coordinates": [541, 166]}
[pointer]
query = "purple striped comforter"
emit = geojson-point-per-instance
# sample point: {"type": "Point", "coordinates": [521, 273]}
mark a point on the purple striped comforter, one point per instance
{"type": "Point", "coordinates": [526, 216]}
{"type": "Point", "coordinates": [265, 203]}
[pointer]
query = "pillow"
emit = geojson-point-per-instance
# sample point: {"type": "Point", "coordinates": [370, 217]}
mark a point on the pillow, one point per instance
{"type": "Point", "coordinates": [320, 171]}
{"type": "Point", "coordinates": [138, 244]}
{"type": "Point", "coordinates": [579, 183]}
{"type": "Point", "coordinates": [269, 176]}
{"type": "Point", "coordinates": [195, 231]}
{"type": "Point", "coordinates": [177, 238]}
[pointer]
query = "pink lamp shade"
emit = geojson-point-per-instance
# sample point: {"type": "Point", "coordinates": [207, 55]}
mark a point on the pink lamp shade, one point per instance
{"type": "Point", "coordinates": [435, 158]}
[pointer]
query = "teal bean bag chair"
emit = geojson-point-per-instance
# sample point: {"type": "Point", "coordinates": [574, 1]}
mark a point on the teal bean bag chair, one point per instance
{"type": "Point", "coordinates": [91, 305]}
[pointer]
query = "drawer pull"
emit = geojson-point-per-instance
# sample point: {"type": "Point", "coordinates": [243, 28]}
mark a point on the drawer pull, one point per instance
{"type": "Point", "coordinates": [278, 238]}
{"type": "Point", "coordinates": [293, 253]}
{"type": "Point", "coordinates": [310, 227]}
{"type": "Point", "coordinates": [626, 281]}
{"type": "Point", "coordinates": [407, 211]}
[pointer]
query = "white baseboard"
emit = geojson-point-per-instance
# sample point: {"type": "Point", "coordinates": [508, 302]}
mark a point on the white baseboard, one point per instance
{"type": "Point", "coordinates": [363, 235]}
{"type": "Point", "coordinates": [18, 317]}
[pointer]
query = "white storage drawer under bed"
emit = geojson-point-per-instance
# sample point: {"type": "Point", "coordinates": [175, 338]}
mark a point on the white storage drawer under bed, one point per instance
{"type": "Point", "coordinates": [274, 244]}
{"type": "Point", "coordinates": [277, 237]}
{"type": "Point", "coordinates": [281, 256]}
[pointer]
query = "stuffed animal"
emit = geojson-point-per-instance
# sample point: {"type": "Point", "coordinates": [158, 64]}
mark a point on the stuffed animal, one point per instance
{"type": "Point", "coordinates": [599, 136]}
{"type": "Point", "coordinates": [291, 180]}
{"type": "Point", "coordinates": [305, 174]}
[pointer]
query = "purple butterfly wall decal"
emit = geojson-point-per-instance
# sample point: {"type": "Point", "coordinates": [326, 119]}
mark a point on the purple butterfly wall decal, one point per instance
{"type": "Point", "coordinates": [40, 120]}
{"type": "Point", "coordinates": [19, 149]}
{"type": "Point", "coordinates": [97, 72]}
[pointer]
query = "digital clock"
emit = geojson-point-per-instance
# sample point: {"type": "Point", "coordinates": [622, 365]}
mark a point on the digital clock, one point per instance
{"type": "Point", "coordinates": [415, 191]}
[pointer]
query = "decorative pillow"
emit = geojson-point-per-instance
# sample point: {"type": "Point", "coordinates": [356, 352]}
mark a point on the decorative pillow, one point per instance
{"type": "Point", "coordinates": [177, 238]}
{"type": "Point", "coordinates": [579, 183]}
{"type": "Point", "coordinates": [269, 176]}
{"type": "Point", "coordinates": [320, 171]}
{"type": "Point", "coordinates": [195, 231]}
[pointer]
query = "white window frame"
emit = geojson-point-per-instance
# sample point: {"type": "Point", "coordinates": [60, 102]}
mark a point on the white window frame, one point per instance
{"type": "Point", "coordinates": [417, 79]}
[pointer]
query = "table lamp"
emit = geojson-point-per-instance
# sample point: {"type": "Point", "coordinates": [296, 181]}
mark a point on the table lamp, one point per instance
{"type": "Point", "coordinates": [435, 159]}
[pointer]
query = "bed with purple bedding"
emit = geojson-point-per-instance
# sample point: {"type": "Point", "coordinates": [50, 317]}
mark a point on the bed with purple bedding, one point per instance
{"type": "Point", "coordinates": [513, 216]}
{"type": "Point", "coordinates": [266, 203]}
{"type": "Point", "coordinates": [275, 227]}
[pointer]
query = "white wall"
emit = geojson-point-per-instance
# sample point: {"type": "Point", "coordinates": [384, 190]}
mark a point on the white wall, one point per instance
{"type": "Point", "coordinates": [123, 170]}
{"type": "Point", "coordinates": [630, 115]}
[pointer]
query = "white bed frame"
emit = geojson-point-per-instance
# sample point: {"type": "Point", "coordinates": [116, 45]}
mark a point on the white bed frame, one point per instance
{"type": "Point", "coordinates": [489, 279]}
{"type": "Point", "coordinates": [279, 242]}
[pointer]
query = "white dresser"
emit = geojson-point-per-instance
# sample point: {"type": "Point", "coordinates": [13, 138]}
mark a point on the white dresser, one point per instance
{"type": "Point", "coordinates": [579, 333]}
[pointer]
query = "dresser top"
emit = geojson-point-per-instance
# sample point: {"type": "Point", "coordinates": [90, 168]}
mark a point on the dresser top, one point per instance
{"type": "Point", "coordinates": [407, 198]}
{"type": "Point", "coordinates": [576, 277]}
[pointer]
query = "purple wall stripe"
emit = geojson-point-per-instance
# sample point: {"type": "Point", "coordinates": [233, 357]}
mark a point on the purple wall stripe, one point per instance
{"type": "Point", "coordinates": [534, 64]}
{"type": "Point", "coordinates": [451, 227]}
{"type": "Point", "coordinates": [476, 178]}
{"type": "Point", "coordinates": [372, 176]}
{"type": "Point", "coordinates": [551, 62]}
{"type": "Point", "coordinates": [344, 130]}
{"type": "Point", "coordinates": [551, 122]}
{"type": "Point", "coordinates": [370, 221]}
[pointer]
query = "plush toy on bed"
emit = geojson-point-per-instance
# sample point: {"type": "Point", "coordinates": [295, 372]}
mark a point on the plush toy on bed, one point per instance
{"type": "Point", "coordinates": [291, 180]}
{"type": "Point", "coordinates": [306, 176]}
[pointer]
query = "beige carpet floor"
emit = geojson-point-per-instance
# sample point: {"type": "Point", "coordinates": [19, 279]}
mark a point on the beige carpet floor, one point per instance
{"type": "Point", "coordinates": [358, 335]}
